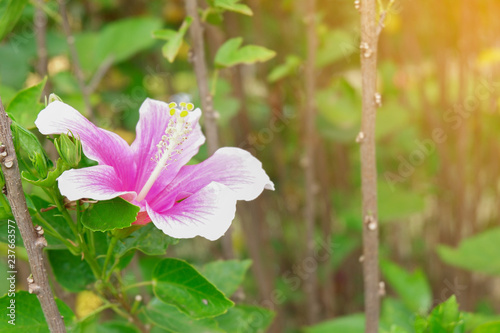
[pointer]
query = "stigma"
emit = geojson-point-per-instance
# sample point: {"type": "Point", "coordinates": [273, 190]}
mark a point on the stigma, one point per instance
{"type": "Point", "coordinates": [169, 146]}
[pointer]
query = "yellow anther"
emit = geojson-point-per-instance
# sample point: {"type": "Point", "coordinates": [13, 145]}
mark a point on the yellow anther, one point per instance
{"type": "Point", "coordinates": [172, 111]}
{"type": "Point", "coordinates": [184, 113]}
{"type": "Point", "coordinates": [182, 104]}
{"type": "Point", "coordinates": [172, 105]}
{"type": "Point", "coordinates": [190, 106]}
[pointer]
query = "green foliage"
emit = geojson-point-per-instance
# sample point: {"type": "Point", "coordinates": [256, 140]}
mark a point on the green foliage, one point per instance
{"type": "Point", "coordinates": [171, 319]}
{"type": "Point", "coordinates": [178, 283]}
{"type": "Point", "coordinates": [72, 272]}
{"type": "Point", "coordinates": [493, 327]}
{"type": "Point", "coordinates": [445, 317]}
{"type": "Point", "coordinates": [25, 106]}
{"type": "Point", "coordinates": [117, 41]}
{"type": "Point", "coordinates": [234, 6]}
{"type": "Point", "coordinates": [231, 54]}
{"type": "Point", "coordinates": [10, 12]}
{"type": "Point", "coordinates": [475, 253]}
{"type": "Point", "coordinates": [414, 289]}
{"type": "Point", "coordinates": [109, 215]}
{"type": "Point", "coordinates": [116, 327]}
{"type": "Point", "coordinates": [290, 67]}
{"type": "Point", "coordinates": [335, 45]}
{"type": "Point", "coordinates": [174, 39]}
{"type": "Point", "coordinates": [349, 324]}
{"type": "Point", "coordinates": [50, 180]}
{"type": "Point", "coordinates": [226, 275]}
{"type": "Point", "coordinates": [28, 314]}
{"type": "Point", "coordinates": [246, 319]}
{"type": "Point", "coordinates": [148, 239]}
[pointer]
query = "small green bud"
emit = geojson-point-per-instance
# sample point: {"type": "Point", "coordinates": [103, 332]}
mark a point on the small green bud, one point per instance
{"type": "Point", "coordinates": [52, 98]}
{"type": "Point", "coordinates": [69, 148]}
{"type": "Point", "coordinates": [41, 169]}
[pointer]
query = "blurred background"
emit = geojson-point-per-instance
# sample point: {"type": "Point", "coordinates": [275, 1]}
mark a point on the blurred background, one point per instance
{"type": "Point", "coordinates": [438, 148]}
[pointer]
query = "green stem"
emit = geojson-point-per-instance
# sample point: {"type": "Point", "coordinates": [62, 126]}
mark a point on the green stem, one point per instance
{"type": "Point", "coordinates": [137, 285]}
{"type": "Point", "coordinates": [53, 232]}
{"type": "Point", "coordinates": [109, 254]}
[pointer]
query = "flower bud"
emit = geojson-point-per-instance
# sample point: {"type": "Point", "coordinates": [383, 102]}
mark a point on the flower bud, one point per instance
{"type": "Point", "coordinates": [40, 167]}
{"type": "Point", "coordinates": [52, 98]}
{"type": "Point", "coordinates": [69, 148]}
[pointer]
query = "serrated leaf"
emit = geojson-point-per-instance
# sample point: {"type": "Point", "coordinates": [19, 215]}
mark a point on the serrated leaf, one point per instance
{"type": "Point", "coordinates": [109, 215]}
{"type": "Point", "coordinates": [147, 239]}
{"type": "Point", "coordinates": [226, 275]}
{"type": "Point", "coordinates": [246, 319]}
{"type": "Point", "coordinates": [25, 106]}
{"type": "Point", "coordinates": [234, 6]}
{"type": "Point", "coordinates": [178, 283]}
{"type": "Point", "coordinates": [446, 317]}
{"type": "Point", "coordinates": [175, 39]}
{"type": "Point", "coordinates": [171, 319]}
{"type": "Point", "coordinates": [231, 54]}
{"type": "Point", "coordinates": [475, 253]}
{"type": "Point", "coordinates": [29, 315]}
{"type": "Point", "coordinates": [10, 12]}
{"type": "Point", "coordinates": [413, 288]}
{"type": "Point", "coordinates": [70, 271]}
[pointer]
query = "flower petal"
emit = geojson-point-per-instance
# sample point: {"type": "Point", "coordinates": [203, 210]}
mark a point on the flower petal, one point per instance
{"type": "Point", "coordinates": [105, 147]}
{"type": "Point", "coordinates": [234, 167]}
{"type": "Point", "coordinates": [207, 213]}
{"type": "Point", "coordinates": [98, 182]}
{"type": "Point", "coordinates": [154, 118]}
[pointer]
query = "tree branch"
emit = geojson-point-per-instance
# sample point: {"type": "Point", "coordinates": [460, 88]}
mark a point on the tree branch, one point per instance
{"type": "Point", "coordinates": [310, 144]}
{"type": "Point", "coordinates": [370, 100]}
{"type": "Point", "coordinates": [200, 68]}
{"type": "Point", "coordinates": [70, 40]}
{"type": "Point", "coordinates": [33, 238]}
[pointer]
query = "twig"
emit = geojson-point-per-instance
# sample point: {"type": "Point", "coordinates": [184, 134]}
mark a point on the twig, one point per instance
{"type": "Point", "coordinates": [200, 68]}
{"type": "Point", "coordinates": [366, 138]}
{"type": "Point", "coordinates": [311, 282]}
{"type": "Point", "coordinates": [99, 74]}
{"type": "Point", "coordinates": [40, 19]}
{"type": "Point", "coordinates": [70, 40]}
{"type": "Point", "coordinates": [34, 240]}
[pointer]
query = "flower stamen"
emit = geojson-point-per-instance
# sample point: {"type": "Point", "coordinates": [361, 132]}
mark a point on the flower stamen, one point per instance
{"type": "Point", "coordinates": [169, 146]}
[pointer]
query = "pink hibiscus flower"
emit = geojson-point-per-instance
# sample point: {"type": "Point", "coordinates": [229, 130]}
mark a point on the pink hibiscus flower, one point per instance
{"type": "Point", "coordinates": [182, 200]}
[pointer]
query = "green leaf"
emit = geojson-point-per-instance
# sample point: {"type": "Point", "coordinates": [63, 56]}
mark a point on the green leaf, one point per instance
{"type": "Point", "coordinates": [246, 319]}
{"type": "Point", "coordinates": [116, 327]}
{"type": "Point", "coordinates": [147, 239]}
{"type": "Point", "coordinates": [170, 318]}
{"type": "Point", "coordinates": [70, 271]}
{"type": "Point", "coordinates": [25, 106]}
{"type": "Point", "coordinates": [230, 53]}
{"type": "Point", "coordinates": [349, 324]}
{"type": "Point", "coordinates": [118, 41]}
{"type": "Point", "coordinates": [234, 6]}
{"type": "Point", "coordinates": [475, 253]}
{"type": "Point", "coordinates": [446, 318]}
{"type": "Point", "coordinates": [54, 218]}
{"type": "Point", "coordinates": [493, 327]}
{"type": "Point", "coordinates": [226, 275]}
{"type": "Point", "coordinates": [48, 182]}
{"type": "Point", "coordinates": [29, 315]}
{"type": "Point", "coordinates": [10, 12]}
{"type": "Point", "coordinates": [336, 45]}
{"type": "Point", "coordinates": [109, 215]}
{"type": "Point", "coordinates": [177, 282]}
{"type": "Point", "coordinates": [290, 67]}
{"type": "Point", "coordinates": [174, 39]}
{"type": "Point", "coordinates": [414, 289]}
{"type": "Point", "coordinates": [396, 316]}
